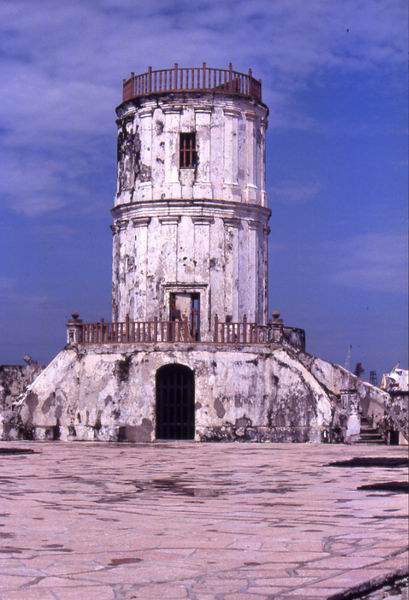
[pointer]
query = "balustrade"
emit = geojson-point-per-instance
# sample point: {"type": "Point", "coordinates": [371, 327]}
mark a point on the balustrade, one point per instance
{"type": "Point", "coordinates": [177, 331]}
{"type": "Point", "coordinates": [192, 79]}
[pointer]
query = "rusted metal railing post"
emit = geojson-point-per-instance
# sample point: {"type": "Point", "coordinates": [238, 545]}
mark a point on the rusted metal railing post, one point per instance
{"type": "Point", "coordinates": [231, 77]}
{"type": "Point", "coordinates": [175, 78]}
{"type": "Point", "coordinates": [245, 329]}
{"type": "Point", "coordinates": [185, 330]}
{"type": "Point", "coordinates": [150, 90]}
{"type": "Point", "coordinates": [155, 329]}
{"type": "Point", "coordinates": [127, 328]}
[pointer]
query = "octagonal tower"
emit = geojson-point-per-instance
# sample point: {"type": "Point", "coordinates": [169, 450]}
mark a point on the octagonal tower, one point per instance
{"type": "Point", "coordinates": [190, 216]}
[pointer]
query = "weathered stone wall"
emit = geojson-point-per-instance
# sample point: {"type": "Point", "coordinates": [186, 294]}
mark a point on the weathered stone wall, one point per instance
{"type": "Point", "coordinates": [199, 230]}
{"type": "Point", "coordinates": [397, 415]}
{"type": "Point", "coordinates": [14, 380]}
{"type": "Point", "coordinates": [252, 394]}
{"type": "Point", "coordinates": [230, 142]}
{"type": "Point", "coordinates": [216, 249]}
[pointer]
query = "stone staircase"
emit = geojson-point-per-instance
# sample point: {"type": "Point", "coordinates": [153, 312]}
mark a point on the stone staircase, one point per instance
{"type": "Point", "coordinates": [370, 435]}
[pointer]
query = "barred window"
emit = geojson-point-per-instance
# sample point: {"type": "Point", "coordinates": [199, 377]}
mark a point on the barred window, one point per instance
{"type": "Point", "coordinates": [187, 151]}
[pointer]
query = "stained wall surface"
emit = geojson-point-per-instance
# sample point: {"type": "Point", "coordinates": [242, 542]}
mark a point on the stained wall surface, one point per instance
{"type": "Point", "coordinates": [269, 394]}
{"type": "Point", "coordinates": [198, 230]}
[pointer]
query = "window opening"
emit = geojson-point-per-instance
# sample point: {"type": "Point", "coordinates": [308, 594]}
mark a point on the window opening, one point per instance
{"type": "Point", "coordinates": [187, 151]}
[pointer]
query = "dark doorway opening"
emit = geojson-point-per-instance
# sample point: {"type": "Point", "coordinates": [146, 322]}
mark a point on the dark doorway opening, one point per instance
{"type": "Point", "coordinates": [175, 403]}
{"type": "Point", "coordinates": [187, 306]}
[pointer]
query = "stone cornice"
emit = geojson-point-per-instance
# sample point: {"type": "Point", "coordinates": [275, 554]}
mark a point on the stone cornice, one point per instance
{"type": "Point", "coordinates": [193, 208]}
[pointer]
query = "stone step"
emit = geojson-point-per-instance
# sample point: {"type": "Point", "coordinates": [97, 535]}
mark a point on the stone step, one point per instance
{"type": "Point", "coordinates": [371, 442]}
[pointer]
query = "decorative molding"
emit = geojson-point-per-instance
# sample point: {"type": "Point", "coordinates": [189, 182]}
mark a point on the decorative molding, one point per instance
{"type": "Point", "coordinates": [141, 221]}
{"type": "Point", "coordinates": [145, 112]}
{"type": "Point", "coordinates": [217, 207]}
{"type": "Point", "coordinates": [253, 224]}
{"type": "Point", "coordinates": [121, 224]}
{"type": "Point", "coordinates": [232, 112]}
{"type": "Point", "coordinates": [184, 287]}
{"type": "Point", "coordinates": [202, 220]}
{"type": "Point", "coordinates": [250, 116]}
{"type": "Point", "coordinates": [169, 220]}
{"type": "Point", "coordinates": [169, 110]}
{"type": "Point", "coordinates": [203, 109]}
{"type": "Point", "coordinates": [232, 222]}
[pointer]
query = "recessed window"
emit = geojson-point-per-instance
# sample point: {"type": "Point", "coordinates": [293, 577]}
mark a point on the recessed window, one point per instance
{"type": "Point", "coordinates": [187, 151]}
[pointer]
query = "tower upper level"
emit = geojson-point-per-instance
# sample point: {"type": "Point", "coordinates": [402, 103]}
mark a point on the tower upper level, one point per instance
{"type": "Point", "coordinates": [191, 133]}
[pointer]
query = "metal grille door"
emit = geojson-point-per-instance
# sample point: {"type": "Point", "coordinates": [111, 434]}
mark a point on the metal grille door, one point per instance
{"type": "Point", "coordinates": [175, 403]}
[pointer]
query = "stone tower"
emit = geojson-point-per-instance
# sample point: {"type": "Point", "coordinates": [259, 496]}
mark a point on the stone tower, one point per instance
{"type": "Point", "coordinates": [189, 353]}
{"type": "Point", "coordinates": [190, 217]}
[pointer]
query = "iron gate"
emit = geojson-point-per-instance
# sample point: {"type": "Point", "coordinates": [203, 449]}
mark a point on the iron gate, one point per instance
{"type": "Point", "coordinates": [175, 403]}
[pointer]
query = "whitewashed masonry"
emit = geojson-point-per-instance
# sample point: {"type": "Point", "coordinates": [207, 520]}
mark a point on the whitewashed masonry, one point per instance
{"type": "Point", "coordinates": [197, 234]}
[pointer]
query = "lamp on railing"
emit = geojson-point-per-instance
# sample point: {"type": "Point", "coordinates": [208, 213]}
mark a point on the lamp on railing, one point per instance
{"type": "Point", "coordinates": [277, 327]}
{"type": "Point", "coordinates": [74, 329]}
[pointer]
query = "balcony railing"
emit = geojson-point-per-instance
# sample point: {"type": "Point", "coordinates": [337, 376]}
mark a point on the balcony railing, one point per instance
{"type": "Point", "coordinates": [192, 79]}
{"type": "Point", "coordinates": [129, 332]}
{"type": "Point", "coordinates": [156, 331]}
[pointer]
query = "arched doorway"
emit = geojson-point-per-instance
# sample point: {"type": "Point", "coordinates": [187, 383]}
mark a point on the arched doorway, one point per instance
{"type": "Point", "coordinates": [175, 403]}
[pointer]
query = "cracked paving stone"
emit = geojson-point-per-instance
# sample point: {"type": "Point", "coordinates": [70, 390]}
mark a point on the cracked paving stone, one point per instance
{"type": "Point", "coordinates": [202, 521]}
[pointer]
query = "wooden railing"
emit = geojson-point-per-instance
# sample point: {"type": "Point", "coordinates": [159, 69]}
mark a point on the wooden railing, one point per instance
{"type": "Point", "coordinates": [192, 79]}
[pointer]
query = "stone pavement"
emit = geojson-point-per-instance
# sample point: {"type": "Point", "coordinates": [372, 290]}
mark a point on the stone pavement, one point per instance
{"type": "Point", "coordinates": [196, 521]}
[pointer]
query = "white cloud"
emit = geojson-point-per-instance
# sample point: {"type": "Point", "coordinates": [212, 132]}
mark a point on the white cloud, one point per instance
{"type": "Point", "coordinates": [62, 66]}
{"type": "Point", "coordinates": [294, 192]}
{"type": "Point", "coordinates": [375, 262]}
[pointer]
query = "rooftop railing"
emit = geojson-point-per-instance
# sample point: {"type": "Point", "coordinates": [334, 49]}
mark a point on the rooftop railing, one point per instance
{"type": "Point", "coordinates": [192, 79]}
{"type": "Point", "coordinates": [177, 331]}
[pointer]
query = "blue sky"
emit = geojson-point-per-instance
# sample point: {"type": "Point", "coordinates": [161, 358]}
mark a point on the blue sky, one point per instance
{"type": "Point", "coordinates": [334, 77]}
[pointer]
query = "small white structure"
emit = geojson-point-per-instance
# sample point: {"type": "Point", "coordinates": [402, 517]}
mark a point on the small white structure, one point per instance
{"type": "Point", "coordinates": [397, 380]}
